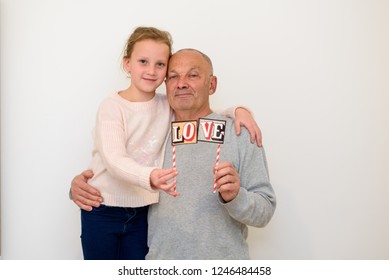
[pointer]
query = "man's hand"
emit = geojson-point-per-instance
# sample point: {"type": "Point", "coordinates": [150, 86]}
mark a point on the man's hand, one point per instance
{"type": "Point", "coordinates": [83, 194]}
{"type": "Point", "coordinates": [245, 118]}
{"type": "Point", "coordinates": [227, 180]}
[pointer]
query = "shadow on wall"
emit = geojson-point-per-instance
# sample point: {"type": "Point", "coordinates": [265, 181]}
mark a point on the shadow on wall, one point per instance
{"type": "Point", "coordinates": [287, 224]}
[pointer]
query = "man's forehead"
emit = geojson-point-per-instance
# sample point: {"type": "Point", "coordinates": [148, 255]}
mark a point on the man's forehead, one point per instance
{"type": "Point", "coordinates": [184, 68]}
{"type": "Point", "coordinates": [186, 63]}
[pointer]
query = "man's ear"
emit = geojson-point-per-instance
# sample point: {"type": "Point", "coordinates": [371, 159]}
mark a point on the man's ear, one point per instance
{"type": "Point", "coordinates": [212, 85]}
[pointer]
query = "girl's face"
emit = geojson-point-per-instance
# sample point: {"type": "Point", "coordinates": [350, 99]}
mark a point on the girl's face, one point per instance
{"type": "Point", "coordinates": [147, 66]}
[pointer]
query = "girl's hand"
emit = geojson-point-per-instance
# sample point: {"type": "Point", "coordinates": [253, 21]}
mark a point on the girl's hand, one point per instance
{"type": "Point", "coordinates": [159, 179]}
{"type": "Point", "coordinates": [245, 118]}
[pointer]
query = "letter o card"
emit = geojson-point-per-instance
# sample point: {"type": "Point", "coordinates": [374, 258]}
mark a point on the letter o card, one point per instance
{"type": "Point", "coordinates": [184, 132]}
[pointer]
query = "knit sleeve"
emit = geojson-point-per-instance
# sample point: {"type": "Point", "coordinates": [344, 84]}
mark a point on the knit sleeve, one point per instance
{"type": "Point", "coordinates": [110, 139]}
{"type": "Point", "coordinates": [230, 112]}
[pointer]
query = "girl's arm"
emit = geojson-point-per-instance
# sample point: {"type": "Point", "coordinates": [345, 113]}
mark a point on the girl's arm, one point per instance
{"type": "Point", "coordinates": [244, 117]}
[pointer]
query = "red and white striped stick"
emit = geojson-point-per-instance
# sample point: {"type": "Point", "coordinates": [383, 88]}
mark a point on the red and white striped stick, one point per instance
{"type": "Point", "coordinates": [217, 163]}
{"type": "Point", "coordinates": [174, 161]}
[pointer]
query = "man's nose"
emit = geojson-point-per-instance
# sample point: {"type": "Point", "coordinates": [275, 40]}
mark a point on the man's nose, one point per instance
{"type": "Point", "coordinates": [182, 82]}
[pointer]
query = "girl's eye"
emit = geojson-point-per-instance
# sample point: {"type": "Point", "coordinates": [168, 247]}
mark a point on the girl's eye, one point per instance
{"type": "Point", "coordinates": [161, 65]}
{"type": "Point", "coordinates": [142, 61]}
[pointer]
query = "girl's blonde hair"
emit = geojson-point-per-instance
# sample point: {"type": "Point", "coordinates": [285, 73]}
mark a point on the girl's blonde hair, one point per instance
{"type": "Point", "coordinates": [144, 33]}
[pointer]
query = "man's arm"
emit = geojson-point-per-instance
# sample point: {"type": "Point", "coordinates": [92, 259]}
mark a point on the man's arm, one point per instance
{"type": "Point", "coordinates": [83, 194]}
{"type": "Point", "coordinates": [255, 202]}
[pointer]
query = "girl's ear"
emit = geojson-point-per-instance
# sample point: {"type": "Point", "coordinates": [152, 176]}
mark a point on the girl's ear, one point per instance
{"type": "Point", "coordinates": [126, 65]}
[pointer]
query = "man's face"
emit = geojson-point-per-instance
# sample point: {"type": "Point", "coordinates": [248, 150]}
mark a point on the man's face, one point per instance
{"type": "Point", "coordinates": [189, 83]}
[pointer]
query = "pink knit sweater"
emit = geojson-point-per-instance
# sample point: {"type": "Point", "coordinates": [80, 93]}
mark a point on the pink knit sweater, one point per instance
{"type": "Point", "coordinates": [129, 142]}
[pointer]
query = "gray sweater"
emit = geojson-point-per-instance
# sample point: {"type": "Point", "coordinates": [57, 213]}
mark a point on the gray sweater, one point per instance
{"type": "Point", "coordinates": [198, 224]}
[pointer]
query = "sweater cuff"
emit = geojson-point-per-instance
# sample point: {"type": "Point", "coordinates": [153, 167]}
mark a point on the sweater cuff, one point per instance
{"type": "Point", "coordinates": [231, 111]}
{"type": "Point", "coordinates": [243, 107]}
{"type": "Point", "coordinates": [240, 199]}
{"type": "Point", "coordinates": [228, 113]}
{"type": "Point", "coordinates": [144, 178]}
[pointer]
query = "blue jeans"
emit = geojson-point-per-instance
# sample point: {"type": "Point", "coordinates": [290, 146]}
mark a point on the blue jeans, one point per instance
{"type": "Point", "coordinates": [114, 233]}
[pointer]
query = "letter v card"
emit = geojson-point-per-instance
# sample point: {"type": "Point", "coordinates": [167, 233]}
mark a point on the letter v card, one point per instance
{"type": "Point", "coordinates": [211, 130]}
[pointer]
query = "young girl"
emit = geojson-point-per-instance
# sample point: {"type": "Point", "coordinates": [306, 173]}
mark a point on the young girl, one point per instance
{"type": "Point", "coordinates": [129, 139]}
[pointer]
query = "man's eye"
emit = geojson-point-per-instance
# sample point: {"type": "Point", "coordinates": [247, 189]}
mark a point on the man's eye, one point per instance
{"type": "Point", "coordinates": [193, 76]}
{"type": "Point", "coordinates": [172, 77]}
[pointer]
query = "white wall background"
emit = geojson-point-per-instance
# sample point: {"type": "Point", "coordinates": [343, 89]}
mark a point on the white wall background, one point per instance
{"type": "Point", "coordinates": [315, 73]}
